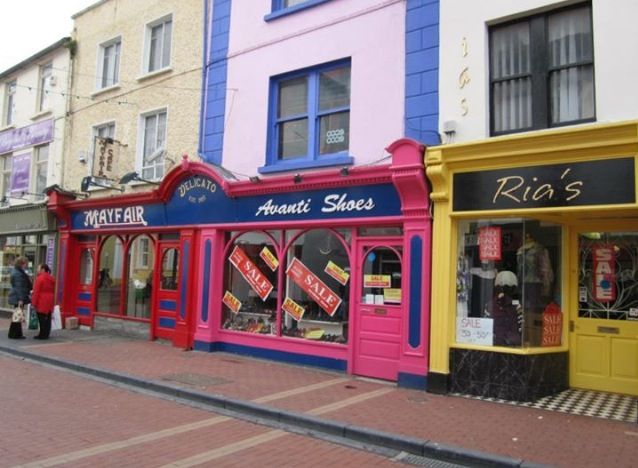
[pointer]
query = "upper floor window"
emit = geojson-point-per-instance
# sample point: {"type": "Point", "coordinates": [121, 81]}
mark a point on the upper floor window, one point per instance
{"type": "Point", "coordinates": [6, 164]}
{"type": "Point", "coordinates": [41, 168]}
{"type": "Point", "coordinates": [310, 117]}
{"type": "Point", "coordinates": [9, 102]}
{"type": "Point", "coordinates": [285, 7]}
{"type": "Point", "coordinates": [542, 71]}
{"type": "Point", "coordinates": [158, 45]}
{"type": "Point", "coordinates": [46, 75]}
{"type": "Point", "coordinates": [153, 144]}
{"type": "Point", "coordinates": [109, 63]}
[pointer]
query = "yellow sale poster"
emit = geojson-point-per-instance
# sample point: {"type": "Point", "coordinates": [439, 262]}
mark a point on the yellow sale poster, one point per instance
{"type": "Point", "coordinates": [293, 309]}
{"type": "Point", "coordinates": [337, 273]}
{"type": "Point", "coordinates": [268, 257]}
{"type": "Point", "coordinates": [377, 281]}
{"type": "Point", "coordinates": [231, 302]}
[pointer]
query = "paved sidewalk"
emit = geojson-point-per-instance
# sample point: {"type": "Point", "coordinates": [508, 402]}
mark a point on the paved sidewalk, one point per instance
{"type": "Point", "coordinates": [471, 431]}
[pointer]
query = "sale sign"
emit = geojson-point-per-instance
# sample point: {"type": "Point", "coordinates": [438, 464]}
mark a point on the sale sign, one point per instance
{"type": "Point", "coordinates": [337, 273]}
{"type": "Point", "coordinates": [604, 264]}
{"type": "Point", "coordinates": [267, 256]}
{"type": "Point", "coordinates": [490, 243]}
{"type": "Point", "coordinates": [377, 281]}
{"type": "Point", "coordinates": [313, 286]}
{"type": "Point", "coordinates": [251, 273]}
{"type": "Point", "coordinates": [293, 309]}
{"type": "Point", "coordinates": [231, 302]}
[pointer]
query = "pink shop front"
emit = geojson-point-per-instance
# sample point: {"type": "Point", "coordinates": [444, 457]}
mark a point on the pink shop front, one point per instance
{"type": "Point", "coordinates": [330, 269]}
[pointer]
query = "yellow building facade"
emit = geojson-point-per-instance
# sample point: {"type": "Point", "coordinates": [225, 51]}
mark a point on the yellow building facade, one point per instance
{"type": "Point", "coordinates": [535, 263]}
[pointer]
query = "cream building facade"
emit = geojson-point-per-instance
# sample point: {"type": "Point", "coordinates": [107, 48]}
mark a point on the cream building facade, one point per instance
{"type": "Point", "coordinates": [137, 84]}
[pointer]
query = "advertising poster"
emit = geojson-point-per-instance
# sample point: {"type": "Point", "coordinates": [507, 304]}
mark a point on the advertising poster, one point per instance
{"type": "Point", "coordinates": [293, 309]}
{"type": "Point", "coordinates": [20, 173]}
{"type": "Point", "coordinates": [313, 286]}
{"type": "Point", "coordinates": [490, 243]}
{"type": "Point", "coordinates": [377, 281]}
{"type": "Point", "coordinates": [337, 272]}
{"type": "Point", "coordinates": [231, 302]}
{"type": "Point", "coordinates": [251, 273]}
{"type": "Point", "coordinates": [478, 331]}
{"type": "Point", "coordinates": [268, 257]}
{"type": "Point", "coordinates": [392, 296]}
{"type": "Point", "coordinates": [604, 266]}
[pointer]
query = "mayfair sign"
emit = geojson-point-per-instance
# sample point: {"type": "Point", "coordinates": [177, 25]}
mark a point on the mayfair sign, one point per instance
{"type": "Point", "coordinates": [608, 182]}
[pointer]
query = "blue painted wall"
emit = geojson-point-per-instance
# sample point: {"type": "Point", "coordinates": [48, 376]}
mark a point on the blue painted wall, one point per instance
{"type": "Point", "coordinates": [422, 71]}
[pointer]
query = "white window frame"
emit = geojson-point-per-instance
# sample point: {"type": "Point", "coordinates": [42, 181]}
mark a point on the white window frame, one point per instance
{"type": "Point", "coordinates": [163, 21]}
{"type": "Point", "coordinates": [37, 164]}
{"type": "Point", "coordinates": [143, 252]}
{"type": "Point", "coordinates": [10, 89]}
{"type": "Point", "coordinates": [159, 161]}
{"type": "Point", "coordinates": [113, 70]}
{"type": "Point", "coordinates": [44, 98]}
{"type": "Point", "coordinates": [5, 174]}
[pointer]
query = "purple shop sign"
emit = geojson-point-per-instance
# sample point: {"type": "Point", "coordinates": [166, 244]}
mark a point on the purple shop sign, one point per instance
{"type": "Point", "coordinates": [20, 173]}
{"type": "Point", "coordinates": [50, 252]}
{"type": "Point", "coordinates": [34, 134]}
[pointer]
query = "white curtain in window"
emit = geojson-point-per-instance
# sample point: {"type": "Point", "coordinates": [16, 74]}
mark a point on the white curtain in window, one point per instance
{"type": "Point", "coordinates": [511, 93]}
{"type": "Point", "coordinates": [570, 59]}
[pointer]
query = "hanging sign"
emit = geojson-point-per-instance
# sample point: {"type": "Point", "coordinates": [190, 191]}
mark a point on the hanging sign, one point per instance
{"type": "Point", "coordinates": [231, 302]}
{"type": "Point", "coordinates": [251, 273]}
{"type": "Point", "coordinates": [490, 243]}
{"type": "Point", "coordinates": [337, 272]}
{"type": "Point", "coordinates": [604, 264]}
{"type": "Point", "coordinates": [293, 309]}
{"type": "Point", "coordinates": [377, 281]}
{"type": "Point", "coordinates": [106, 158]}
{"type": "Point", "coordinates": [268, 257]}
{"type": "Point", "coordinates": [313, 286]}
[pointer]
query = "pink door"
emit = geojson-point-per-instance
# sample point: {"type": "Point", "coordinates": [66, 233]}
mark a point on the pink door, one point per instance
{"type": "Point", "coordinates": [378, 310]}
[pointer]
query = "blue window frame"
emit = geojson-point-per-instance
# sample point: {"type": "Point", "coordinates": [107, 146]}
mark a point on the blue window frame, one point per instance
{"type": "Point", "coordinates": [309, 123]}
{"type": "Point", "coordinates": [286, 7]}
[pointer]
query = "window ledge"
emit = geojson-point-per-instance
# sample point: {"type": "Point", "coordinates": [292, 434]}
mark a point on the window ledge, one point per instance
{"type": "Point", "coordinates": [97, 92]}
{"type": "Point", "coordinates": [41, 114]}
{"type": "Point", "coordinates": [8, 127]}
{"type": "Point", "coordinates": [153, 74]}
{"type": "Point", "coordinates": [294, 9]}
{"type": "Point", "coordinates": [296, 164]}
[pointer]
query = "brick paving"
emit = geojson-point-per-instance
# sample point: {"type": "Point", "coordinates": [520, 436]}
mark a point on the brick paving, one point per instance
{"type": "Point", "coordinates": [532, 435]}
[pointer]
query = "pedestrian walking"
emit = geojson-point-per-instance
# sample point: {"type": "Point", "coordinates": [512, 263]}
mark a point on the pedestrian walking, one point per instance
{"type": "Point", "coordinates": [42, 300]}
{"type": "Point", "coordinates": [19, 295]}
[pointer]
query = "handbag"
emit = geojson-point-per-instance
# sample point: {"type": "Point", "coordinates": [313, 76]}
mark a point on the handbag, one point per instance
{"type": "Point", "coordinates": [34, 323]}
{"type": "Point", "coordinates": [18, 315]}
{"type": "Point", "coordinates": [56, 319]}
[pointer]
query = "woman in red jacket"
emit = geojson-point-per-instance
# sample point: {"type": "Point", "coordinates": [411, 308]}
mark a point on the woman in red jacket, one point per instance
{"type": "Point", "coordinates": [42, 300]}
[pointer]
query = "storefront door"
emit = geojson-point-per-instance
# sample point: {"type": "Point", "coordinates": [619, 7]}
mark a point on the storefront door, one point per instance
{"type": "Point", "coordinates": [166, 298]}
{"type": "Point", "coordinates": [604, 326]}
{"type": "Point", "coordinates": [378, 311]}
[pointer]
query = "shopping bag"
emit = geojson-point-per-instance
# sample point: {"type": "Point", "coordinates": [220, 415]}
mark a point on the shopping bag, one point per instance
{"type": "Point", "coordinates": [34, 324]}
{"type": "Point", "coordinates": [56, 319]}
{"type": "Point", "coordinates": [18, 315]}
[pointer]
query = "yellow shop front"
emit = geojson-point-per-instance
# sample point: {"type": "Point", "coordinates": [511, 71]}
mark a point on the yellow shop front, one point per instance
{"type": "Point", "coordinates": [535, 249]}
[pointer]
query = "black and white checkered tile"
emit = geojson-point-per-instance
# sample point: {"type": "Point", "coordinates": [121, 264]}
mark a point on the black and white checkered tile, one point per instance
{"type": "Point", "coordinates": [582, 402]}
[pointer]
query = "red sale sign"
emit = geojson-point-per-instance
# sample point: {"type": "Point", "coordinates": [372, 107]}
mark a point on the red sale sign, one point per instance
{"type": "Point", "coordinates": [604, 273]}
{"type": "Point", "coordinates": [251, 273]}
{"type": "Point", "coordinates": [313, 286]}
{"type": "Point", "coordinates": [490, 243]}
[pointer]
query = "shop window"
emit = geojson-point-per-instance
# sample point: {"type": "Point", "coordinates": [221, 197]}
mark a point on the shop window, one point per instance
{"type": "Point", "coordinates": [608, 283]}
{"type": "Point", "coordinates": [317, 288]}
{"type": "Point", "coordinates": [250, 296]}
{"type": "Point", "coordinates": [310, 118]}
{"type": "Point", "coordinates": [140, 278]}
{"type": "Point", "coordinates": [382, 277]}
{"type": "Point", "coordinates": [110, 276]}
{"type": "Point", "coordinates": [508, 283]}
{"type": "Point", "coordinates": [86, 266]}
{"type": "Point", "coordinates": [169, 277]}
{"type": "Point", "coordinates": [542, 71]}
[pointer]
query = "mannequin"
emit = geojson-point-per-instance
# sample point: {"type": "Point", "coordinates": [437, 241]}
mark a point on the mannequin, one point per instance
{"type": "Point", "coordinates": [534, 273]}
{"type": "Point", "coordinates": [482, 288]}
{"type": "Point", "coordinates": [505, 311]}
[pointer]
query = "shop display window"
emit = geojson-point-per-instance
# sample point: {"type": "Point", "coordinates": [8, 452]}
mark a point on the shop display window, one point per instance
{"type": "Point", "coordinates": [110, 276]}
{"type": "Point", "coordinates": [508, 283]}
{"type": "Point", "coordinates": [317, 286]}
{"type": "Point", "coordinates": [250, 281]}
{"type": "Point", "coordinates": [608, 278]}
{"type": "Point", "coordinates": [140, 277]}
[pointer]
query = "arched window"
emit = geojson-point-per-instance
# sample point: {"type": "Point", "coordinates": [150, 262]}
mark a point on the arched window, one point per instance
{"type": "Point", "coordinates": [250, 280]}
{"type": "Point", "coordinates": [315, 304]}
{"type": "Point", "coordinates": [110, 276]}
{"type": "Point", "coordinates": [86, 266]}
{"type": "Point", "coordinates": [169, 276]}
{"type": "Point", "coordinates": [382, 277]}
{"type": "Point", "coordinates": [141, 261]}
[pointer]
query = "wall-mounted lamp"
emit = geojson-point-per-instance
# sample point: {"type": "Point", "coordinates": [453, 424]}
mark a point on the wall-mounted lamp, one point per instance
{"type": "Point", "coordinates": [39, 196]}
{"type": "Point", "coordinates": [254, 179]}
{"type": "Point", "coordinates": [296, 178]}
{"type": "Point", "coordinates": [135, 177]}
{"type": "Point", "coordinates": [345, 172]}
{"type": "Point", "coordinates": [88, 181]}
